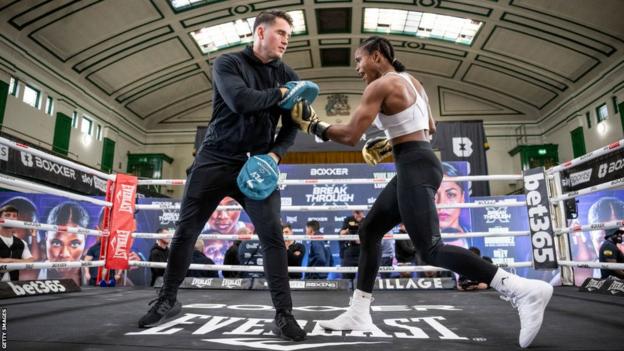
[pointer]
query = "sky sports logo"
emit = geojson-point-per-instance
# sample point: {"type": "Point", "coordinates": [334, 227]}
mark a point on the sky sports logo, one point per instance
{"type": "Point", "coordinates": [580, 177]}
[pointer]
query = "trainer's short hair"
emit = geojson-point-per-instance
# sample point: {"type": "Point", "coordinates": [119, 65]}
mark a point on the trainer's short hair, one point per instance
{"type": "Point", "coordinates": [269, 17]}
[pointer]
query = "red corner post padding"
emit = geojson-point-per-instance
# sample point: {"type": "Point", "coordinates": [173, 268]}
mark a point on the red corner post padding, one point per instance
{"type": "Point", "coordinates": [121, 222]}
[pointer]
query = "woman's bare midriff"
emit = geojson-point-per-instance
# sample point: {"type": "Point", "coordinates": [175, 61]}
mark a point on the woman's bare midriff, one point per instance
{"type": "Point", "coordinates": [419, 135]}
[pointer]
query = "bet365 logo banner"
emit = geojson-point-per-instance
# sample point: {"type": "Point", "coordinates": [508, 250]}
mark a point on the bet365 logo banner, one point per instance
{"type": "Point", "coordinates": [540, 221]}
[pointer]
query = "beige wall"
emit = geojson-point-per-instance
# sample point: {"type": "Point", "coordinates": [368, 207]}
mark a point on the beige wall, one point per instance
{"type": "Point", "coordinates": [37, 127]}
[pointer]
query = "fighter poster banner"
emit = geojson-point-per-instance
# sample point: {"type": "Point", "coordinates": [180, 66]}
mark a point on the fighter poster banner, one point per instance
{"type": "Point", "coordinates": [464, 141]}
{"type": "Point", "coordinates": [600, 207]}
{"type": "Point", "coordinates": [28, 165]}
{"type": "Point", "coordinates": [506, 249]}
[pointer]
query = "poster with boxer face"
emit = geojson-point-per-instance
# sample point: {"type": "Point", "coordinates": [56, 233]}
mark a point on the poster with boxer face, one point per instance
{"type": "Point", "coordinates": [603, 206]}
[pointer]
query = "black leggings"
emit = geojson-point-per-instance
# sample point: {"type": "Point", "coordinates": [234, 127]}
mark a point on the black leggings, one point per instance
{"type": "Point", "coordinates": [410, 198]}
{"type": "Point", "coordinates": [209, 180]}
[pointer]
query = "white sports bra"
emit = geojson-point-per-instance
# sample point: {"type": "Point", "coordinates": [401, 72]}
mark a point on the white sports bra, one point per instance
{"type": "Point", "coordinates": [410, 120]}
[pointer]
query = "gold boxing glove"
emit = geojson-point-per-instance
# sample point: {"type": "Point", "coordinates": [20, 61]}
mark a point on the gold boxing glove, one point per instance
{"type": "Point", "coordinates": [376, 149]}
{"type": "Point", "coordinates": [307, 121]}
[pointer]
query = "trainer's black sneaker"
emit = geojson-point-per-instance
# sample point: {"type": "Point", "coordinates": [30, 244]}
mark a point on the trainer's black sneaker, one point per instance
{"type": "Point", "coordinates": [286, 327]}
{"type": "Point", "coordinates": [162, 309]}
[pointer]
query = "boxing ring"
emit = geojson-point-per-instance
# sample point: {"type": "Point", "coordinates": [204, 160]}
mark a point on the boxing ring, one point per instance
{"type": "Point", "coordinates": [105, 319]}
{"type": "Point", "coordinates": [233, 319]}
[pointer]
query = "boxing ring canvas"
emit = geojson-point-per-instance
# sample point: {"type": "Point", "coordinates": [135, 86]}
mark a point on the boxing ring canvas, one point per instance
{"type": "Point", "coordinates": [105, 319]}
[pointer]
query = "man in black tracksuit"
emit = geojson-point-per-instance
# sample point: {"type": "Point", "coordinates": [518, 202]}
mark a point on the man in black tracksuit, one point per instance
{"type": "Point", "coordinates": [247, 89]}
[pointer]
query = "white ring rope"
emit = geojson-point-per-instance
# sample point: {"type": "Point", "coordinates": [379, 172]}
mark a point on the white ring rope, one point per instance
{"type": "Point", "coordinates": [589, 227]}
{"type": "Point", "coordinates": [348, 181]}
{"type": "Point", "coordinates": [616, 183]}
{"type": "Point", "coordinates": [588, 156]}
{"type": "Point", "coordinates": [14, 145]}
{"type": "Point", "coordinates": [217, 267]}
{"type": "Point", "coordinates": [334, 237]}
{"type": "Point", "coordinates": [57, 265]}
{"type": "Point", "coordinates": [11, 223]}
{"type": "Point", "coordinates": [7, 179]}
{"type": "Point", "coordinates": [601, 265]}
{"type": "Point", "coordinates": [313, 208]}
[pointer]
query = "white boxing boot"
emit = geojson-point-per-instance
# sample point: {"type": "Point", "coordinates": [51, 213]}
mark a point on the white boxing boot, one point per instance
{"type": "Point", "coordinates": [529, 296]}
{"type": "Point", "coordinates": [357, 317]}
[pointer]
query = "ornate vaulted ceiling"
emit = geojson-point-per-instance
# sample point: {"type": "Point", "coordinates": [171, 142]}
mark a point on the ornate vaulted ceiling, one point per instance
{"type": "Point", "coordinates": [138, 56]}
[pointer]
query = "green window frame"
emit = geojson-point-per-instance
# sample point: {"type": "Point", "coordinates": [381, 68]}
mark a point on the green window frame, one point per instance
{"type": "Point", "coordinates": [13, 86]}
{"type": "Point", "coordinates": [27, 94]}
{"type": "Point", "coordinates": [87, 125]}
{"type": "Point", "coordinates": [602, 113]}
{"type": "Point", "coordinates": [49, 105]}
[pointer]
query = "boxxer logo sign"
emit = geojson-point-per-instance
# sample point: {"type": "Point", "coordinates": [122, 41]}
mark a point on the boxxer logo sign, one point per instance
{"type": "Point", "coordinates": [248, 326]}
{"type": "Point", "coordinates": [27, 159]}
{"type": "Point", "coordinates": [462, 147]}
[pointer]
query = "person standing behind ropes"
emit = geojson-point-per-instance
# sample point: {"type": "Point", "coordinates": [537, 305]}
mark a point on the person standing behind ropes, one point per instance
{"type": "Point", "coordinates": [159, 253]}
{"type": "Point", "coordinates": [350, 250]}
{"type": "Point", "coordinates": [12, 248]}
{"type": "Point", "coordinates": [398, 104]}
{"type": "Point", "coordinates": [320, 251]}
{"type": "Point", "coordinates": [295, 251]}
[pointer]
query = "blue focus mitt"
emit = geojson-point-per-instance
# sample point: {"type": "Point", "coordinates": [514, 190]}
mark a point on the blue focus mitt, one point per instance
{"type": "Point", "coordinates": [298, 90]}
{"type": "Point", "coordinates": [258, 177]}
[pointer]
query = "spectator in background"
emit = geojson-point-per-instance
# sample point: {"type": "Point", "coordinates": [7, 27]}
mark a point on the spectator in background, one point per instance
{"type": "Point", "coordinates": [12, 248]}
{"type": "Point", "coordinates": [250, 254]}
{"type": "Point", "coordinates": [350, 250]}
{"type": "Point", "coordinates": [159, 253]}
{"type": "Point", "coordinates": [63, 246]}
{"type": "Point", "coordinates": [465, 284]}
{"type": "Point", "coordinates": [610, 253]}
{"type": "Point", "coordinates": [320, 251]}
{"type": "Point", "coordinates": [295, 251]}
{"type": "Point", "coordinates": [231, 258]}
{"type": "Point", "coordinates": [199, 258]}
{"type": "Point", "coordinates": [27, 212]}
{"type": "Point", "coordinates": [387, 256]}
{"type": "Point", "coordinates": [405, 252]}
{"type": "Point", "coordinates": [93, 254]}
{"type": "Point", "coordinates": [231, 255]}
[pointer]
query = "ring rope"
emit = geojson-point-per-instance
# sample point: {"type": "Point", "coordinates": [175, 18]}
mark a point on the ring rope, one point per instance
{"type": "Point", "coordinates": [57, 265]}
{"type": "Point", "coordinates": [217, 267]}
{"type": "Point", "coordinates": [616, 183]}
{"type": "Point", "coordinates": [12, 223]}
{"type": "Point", "coordinates": [312, 208]}
{"type": "Point", "coordinates": [587, 157]}
{"type": "Point", "coordinates": [7, 179]}
{"type": "Point", "coordinates": [589, 227]}
{"type": "Point", "coordinates": [601, 265]}
{"type": "Point", "coordinates": [335, 237]}
{"type": "Point", "coordinates": [348, 181]}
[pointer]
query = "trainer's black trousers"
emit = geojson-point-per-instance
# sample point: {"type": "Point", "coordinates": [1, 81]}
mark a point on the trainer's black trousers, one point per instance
{"type": "Point", "coordinates": [209, 180]}
{"type": "Point", "coordinates": [410, 198]}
